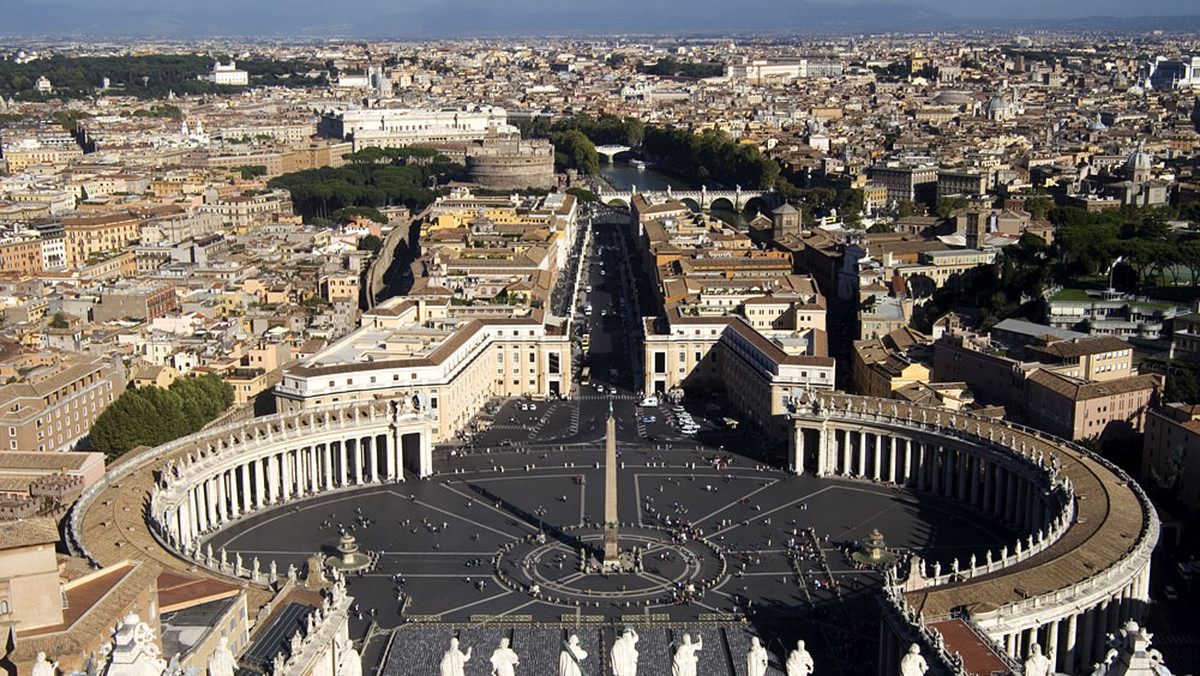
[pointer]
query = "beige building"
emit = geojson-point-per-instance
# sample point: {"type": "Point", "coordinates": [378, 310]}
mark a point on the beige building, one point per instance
{"type": "Point", "coordinates": [1056, 397]}
{"type": "Point", "coordinates": [758, 376]}
{"type": "Point", "coordinates": [87, 235]}
{"type": "Point", "coordinates": [56, 404]}
{"type": "Point", "coordinates": [452, 366]}
{"type": "Point", "coordinates": [29, 586]}
{"type": "Point", "coordinates": [891, 362]}
{"type": "Point", "coordinates": [1171, 452]}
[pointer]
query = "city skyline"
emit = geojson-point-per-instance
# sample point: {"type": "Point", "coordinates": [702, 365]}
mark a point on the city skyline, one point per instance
{"type": "Point", "coordinates": [465, 18]}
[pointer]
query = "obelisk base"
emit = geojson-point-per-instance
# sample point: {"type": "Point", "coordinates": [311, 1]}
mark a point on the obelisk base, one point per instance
{"type": "Point", "coordinates": [612, 552]}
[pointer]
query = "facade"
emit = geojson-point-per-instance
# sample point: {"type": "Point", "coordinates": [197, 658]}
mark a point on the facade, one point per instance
{"type": "Point", "coordinates": [29, 586]}
{"type": "Point", "coordinates": [1171, 452]}
{"type": "Point", "coordinates": [1110, 313]}
{"type": "Point", "coordinates": [725, 354]}
{"type": "Point", "coordinates": [915, 184]}
{"type": "Point", "coordinates": [89, 235]}
{"type": "Point", "coordinates": [405, 349]}
{"type": "Point", "coordinates": [1056, 395]}
{"type": "Point", "coordinates": [56, 405]}
{"type": "Point", "coordinates": [399, 127]}
{"type": "Point", "coordinates": [21, 254]}
{"type": "Point", "coordinates": [227, 74]}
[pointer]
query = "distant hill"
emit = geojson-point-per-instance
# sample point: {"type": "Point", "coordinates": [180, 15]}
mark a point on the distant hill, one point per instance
{"type": "Point", "coordinates": [450, 18]}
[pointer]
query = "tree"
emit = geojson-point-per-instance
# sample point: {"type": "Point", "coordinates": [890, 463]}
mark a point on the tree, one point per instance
{"type": "Point", "coordinates": [905, 208]}
{"type": "Point", "coordinates": [152, 415]}
{"type": "Point", "coordinates": [59, 321]}
{"type": "Point", "coordinates": [576, 151]}
{"type": "Point", "coordinates": [370, 243]}
{"type": "Point", "coordinates": [1039, 206]}
{"type": "Point", "coordinates": [948, 205]}
{"type": "Point", "coordinates": [584, 196]}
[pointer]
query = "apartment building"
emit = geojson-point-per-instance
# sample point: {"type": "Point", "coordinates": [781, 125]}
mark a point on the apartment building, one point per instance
{"type": "Point", "coordinates": [88, 235]}
{"type": "Point", "coordinates": [56, 403]}
{"type": "Point", "coordinates": [1057, 395]}
{"type": "Point", "coordinates": [1171, 452]}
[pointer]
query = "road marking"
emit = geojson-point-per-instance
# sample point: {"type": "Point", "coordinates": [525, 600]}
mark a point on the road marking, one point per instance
{"type": "Point", "coordinates": [473, 603]}
{"type": "Point", "coordinates": [462, 518]}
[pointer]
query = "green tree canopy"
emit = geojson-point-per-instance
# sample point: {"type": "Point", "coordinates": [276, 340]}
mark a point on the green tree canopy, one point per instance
{"type": "Point", "coordinates": [152, 415]}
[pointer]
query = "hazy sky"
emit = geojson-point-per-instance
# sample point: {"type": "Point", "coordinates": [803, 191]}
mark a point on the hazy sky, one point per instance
{"type": "Point", "coordinates": [414, 18]}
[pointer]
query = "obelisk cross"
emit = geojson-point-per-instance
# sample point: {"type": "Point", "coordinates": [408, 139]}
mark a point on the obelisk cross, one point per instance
{"type": "Point", "coordinates": [611, 550]}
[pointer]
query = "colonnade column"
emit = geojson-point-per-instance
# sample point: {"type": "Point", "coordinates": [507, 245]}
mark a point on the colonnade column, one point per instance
{"type": "Point", "coordinates": [1068, 652]}
{"type": "Point", "coordinates": [344, 452]}
{"type": "Point", "coordinates": [876, 471]}
{"type": "Point", "coordinates": [797, 459]}
{"type": "Point", "coordinates": [908, 451]}
{"type": "Point", "coordinates": [892, 459]}
{"type": "Point", "coordinates": [222, 507]}
{"type": "Point", "coordinates": [426, 463]}
{"type": "Point", "coordinates": [327, 468]}
{"type": "Point", "coordinates": [372, 457]}
{"type": "Point", "coordinates": [260, 490]}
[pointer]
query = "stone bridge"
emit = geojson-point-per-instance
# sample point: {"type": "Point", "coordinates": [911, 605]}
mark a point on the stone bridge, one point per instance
{"type": "Point", "coordinates": [703, 198]}
{"type": "Point", "coordinates": [611, 151]}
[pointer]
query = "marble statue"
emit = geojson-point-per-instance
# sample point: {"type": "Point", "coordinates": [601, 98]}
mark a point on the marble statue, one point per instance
{"type": "Point", "coordinates": [1036, 664]}
{"type": "Point", "coordinates": [756, 658]}
{"type": "Point", "coordinates": [351, 664]}
{"type": "Point", "coordinates": [912, 664]}
{"type": "Point", "coordinates": [799, 662]}
{"type": "Point", "coordinates": [624, 653]}
{"type": "Point", "coordinates": [43, 667]}
{"type": "Point", "coordinates": [454, 661]}
{"type": "Point", "coordinates": [222, 662]}
{"type": "Point", "coordinates": [684, 663]}
{"type": "Point", "coordinates": [570, 660]}
{"type": "Point", "coordinates": [504, 660]}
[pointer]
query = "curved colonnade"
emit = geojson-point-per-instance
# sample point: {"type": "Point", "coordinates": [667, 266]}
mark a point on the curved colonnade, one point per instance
{"type": "Point", "coordinates": [204, 481]}
{"type": "Point", "coordinates": [1081, 566]}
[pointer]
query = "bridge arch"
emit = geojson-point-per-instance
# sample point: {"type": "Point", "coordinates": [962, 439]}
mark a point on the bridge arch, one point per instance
{"type": "Point", "coordinates": [692, 204]}
{"type": "Point", "coordinates": [722, 204]}
{"type": "Point", "coordinates": [616, 202]}
{"type": "Point", "coordinates": [755, 206]}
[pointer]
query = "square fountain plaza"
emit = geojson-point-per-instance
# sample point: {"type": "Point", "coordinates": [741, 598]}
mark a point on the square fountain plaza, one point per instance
{"type": "Point", "coordinates": [471, 541]}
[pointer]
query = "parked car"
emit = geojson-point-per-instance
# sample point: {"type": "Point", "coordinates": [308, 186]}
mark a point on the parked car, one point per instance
{"type": "Point", "coordinates": [649, 419]}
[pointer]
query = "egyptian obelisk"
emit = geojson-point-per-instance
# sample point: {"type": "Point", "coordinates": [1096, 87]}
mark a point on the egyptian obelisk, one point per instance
{"type": "Point", "coordinates": [612, 552]}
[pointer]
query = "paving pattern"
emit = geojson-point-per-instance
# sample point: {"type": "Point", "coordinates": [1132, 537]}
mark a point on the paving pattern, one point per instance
{"type": "Point", "coordinates": [772, 548]}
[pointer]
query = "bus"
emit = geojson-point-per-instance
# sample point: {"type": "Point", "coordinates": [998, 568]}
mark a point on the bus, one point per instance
{"type": "Point", "coordinates": [585, 376]}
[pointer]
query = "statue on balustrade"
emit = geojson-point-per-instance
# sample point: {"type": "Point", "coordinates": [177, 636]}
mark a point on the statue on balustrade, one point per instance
{"type": "Point", "coordinates": [799, 662]}
{"type": "Point", "coordinates": [454, 661]}
{"type": "Point", "coordinates": [1036, 664]}
{"type": "Point", "coordinates": [912, 664]}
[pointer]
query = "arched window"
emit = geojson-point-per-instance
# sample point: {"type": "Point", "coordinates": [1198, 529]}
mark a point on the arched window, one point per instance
{"type": "Point", "coordinates": [3, 607]}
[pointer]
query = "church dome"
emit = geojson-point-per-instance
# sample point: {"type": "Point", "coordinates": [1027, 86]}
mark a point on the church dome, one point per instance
{"type": "Point", "coordinates": [952, 98]}
{"type": "Point", "coordinates": [1139, 160]}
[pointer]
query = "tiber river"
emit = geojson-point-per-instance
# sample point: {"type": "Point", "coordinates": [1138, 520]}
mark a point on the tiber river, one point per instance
{"type": "Point", "coordinates": [621, 176]}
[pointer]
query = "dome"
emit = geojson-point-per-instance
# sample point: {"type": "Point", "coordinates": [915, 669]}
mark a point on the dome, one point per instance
{"type": "Point", "coordinates": [952, 98]}
{"type": "Point", "coordinates": [1139, 160]}
{"type": "Point", "coordinates": [998, 104]}
{"type": "Point", "coordinates": [1097, 124]}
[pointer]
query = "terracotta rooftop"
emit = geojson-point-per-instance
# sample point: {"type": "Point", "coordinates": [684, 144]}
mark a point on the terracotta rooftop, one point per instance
{"type": "Point", "coordinates": [28, 532]}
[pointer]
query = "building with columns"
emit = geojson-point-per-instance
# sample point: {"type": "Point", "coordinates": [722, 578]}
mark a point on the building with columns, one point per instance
{"type": "Point", "coordinates": [450, 367]}
{"type": "Point", "coordinates": [1079, 570]}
